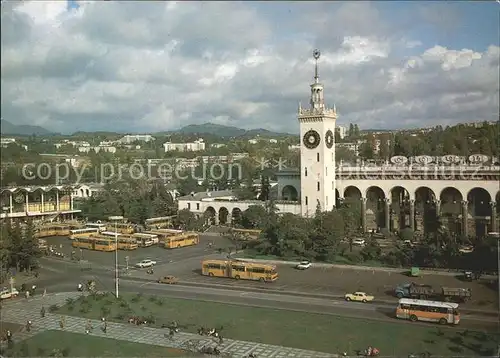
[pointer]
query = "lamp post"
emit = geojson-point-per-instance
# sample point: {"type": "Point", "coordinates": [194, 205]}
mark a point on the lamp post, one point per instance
{"type": "Point", "coordinates": [116, 219]}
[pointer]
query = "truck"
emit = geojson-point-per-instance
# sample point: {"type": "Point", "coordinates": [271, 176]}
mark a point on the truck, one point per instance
{"type": "Point", "coordinates": [414, 290]}
{"type": "Point", "coordinates": [423, 292]}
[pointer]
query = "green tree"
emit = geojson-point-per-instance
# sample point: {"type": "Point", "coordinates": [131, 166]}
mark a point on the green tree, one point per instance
{"type": "Point", "coordinates": [265, 188]}
{"type": "Point", "coordinates": [29, 251]}
{"type": "Point", "coordinates": [255, 217]}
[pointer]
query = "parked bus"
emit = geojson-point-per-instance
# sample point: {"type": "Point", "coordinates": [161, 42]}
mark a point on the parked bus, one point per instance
{"type": "Point", "coordinates": [95, 243]}
{"type": "Point", "coordinates": [47, 230]}
{"type": "Point", "coordinates": [145, 240]}
{"type": "Point", "coordinates": [122, 228]}
{"type": "Point", "coordinates": [247, 234]}
{"type": "Point", "coordinates": [181, 240]}
{"type": "Point", "coordinates": [160, 222]}
{"type": "Point", "coordinates": [239, 270]}
{"type": "Point", "coordinates": [163, 234]}
{"type": "Point", "coordinates": [82, 232]}
{"type": "Point", "coordinates": [125, 242]}
{"type": "Point", "coordinates": [428, 311]}
{"type": "Point", "coordinates": [100, 227]}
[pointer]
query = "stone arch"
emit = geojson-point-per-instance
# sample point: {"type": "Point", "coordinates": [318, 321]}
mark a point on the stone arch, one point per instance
{"type": "Point", "coordinates": [400, 208]}
{"type": "Point", "coordinates": [478, 211]}
{"type": "Point", "coordinates": [352, 194]}
{"type": "Point", "coordinates": [375, 208]}
{"type": "Point", "coordinates": [223, 215]}
{"type": "Point", "coordinates": [451, 209]}
{"type": "Point", "coordinates": [210, 215]}
{"type": "Point", "coordinates": [236, 216]}
{"type": "Point", "coordinates": [289, 193]}
{"type": "Point", "coordinates": [426, 214]}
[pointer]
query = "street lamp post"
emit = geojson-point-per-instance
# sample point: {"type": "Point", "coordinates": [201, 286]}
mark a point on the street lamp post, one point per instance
{"type": "Point", "coordinates": [116, 259]}
{"type": "Point", "coordinates": [116, 219]}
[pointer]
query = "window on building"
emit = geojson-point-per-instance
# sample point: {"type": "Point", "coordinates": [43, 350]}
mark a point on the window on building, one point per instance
{"type": "Point", "coordinates": [197, 206]}
{"type": "Point", "coordinates": [326, 201]}
{"type": "Point", "coordinates": [319, 186]}
{"type": "Point", "coordinates": [189, 206]}
{"type": "Point", "coordinates": [305, 171]}
{"type": "Point", "coordinates": [326, 171]}
{"type": "Point", "coordinates": [306, 200]}
{"type": "Point", "coordinates": [317, 157]}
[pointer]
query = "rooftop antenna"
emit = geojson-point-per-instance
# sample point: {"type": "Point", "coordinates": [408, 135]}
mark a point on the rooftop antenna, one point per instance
{"type": "Point", "coordinates": [316, 55]}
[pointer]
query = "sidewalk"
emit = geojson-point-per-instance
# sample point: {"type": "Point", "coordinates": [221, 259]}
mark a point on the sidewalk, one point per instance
{"type": "Point", "coordinates": [21, 311]}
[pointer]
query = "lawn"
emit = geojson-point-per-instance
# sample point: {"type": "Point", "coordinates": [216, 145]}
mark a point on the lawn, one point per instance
{"type": "Point", "coordinates": [318, 332]}
{"type": "Point", "coordinates": [58, 344]}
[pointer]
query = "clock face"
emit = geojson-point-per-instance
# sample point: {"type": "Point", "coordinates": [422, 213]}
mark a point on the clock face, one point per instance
{"type": "Point", "coordinates": [329, 139]}
{"type": "Point", "coordinates": [311, 139]}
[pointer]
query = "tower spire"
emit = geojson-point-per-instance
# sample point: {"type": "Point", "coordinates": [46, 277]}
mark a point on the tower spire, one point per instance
{"type": "Point", "coordinates": [316, 55]}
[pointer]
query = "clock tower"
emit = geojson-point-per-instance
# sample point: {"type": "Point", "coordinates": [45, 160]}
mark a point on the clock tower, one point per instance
{"type": "Point", "coordinates": [317, 150]}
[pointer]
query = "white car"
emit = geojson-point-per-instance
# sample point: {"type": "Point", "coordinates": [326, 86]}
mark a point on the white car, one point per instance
{"type": "Point", "coordinates": [358, 242]}
{"type": "Point", "coordinates": [303, 265]}
{"type": "Point", "coordinates": [5, 294]}
{"type": "Point", "coordinates": [145, 263]}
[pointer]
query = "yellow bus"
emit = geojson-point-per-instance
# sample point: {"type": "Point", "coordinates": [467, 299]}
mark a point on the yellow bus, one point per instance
{"type": "Point", "coordinates": [247, 234]}
{"type": "Point", "coordinates": [125, 242]}
{"type": "Point", "coordinates": [428, 311]}
{"type": "Point", "coordinates": [122, 228]}
{"type": "Point", "coordinates": [181, 240]}
{"type": "Point", "coordinates": [145, 239]}
{"type": "Point", "coordinates": [239, 270]}
{"type": "Point", "coordinates": [82, 232]}
{"type": "Point", "coordinates": [160, 222]}
{"type": "Point", "coordinates": [48, 230]}
{"type": "Point", "coordinates": [94, 243]}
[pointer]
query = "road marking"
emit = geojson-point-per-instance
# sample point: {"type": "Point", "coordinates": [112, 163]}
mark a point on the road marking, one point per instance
{"type": "Point", "coordinates": [145, 284]}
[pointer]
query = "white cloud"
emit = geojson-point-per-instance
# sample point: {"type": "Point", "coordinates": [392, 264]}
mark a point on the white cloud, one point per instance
{"type": "Point", "coordinates": [157, 66]}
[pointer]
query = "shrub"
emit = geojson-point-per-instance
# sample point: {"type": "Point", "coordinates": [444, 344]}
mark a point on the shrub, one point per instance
{"type": "Point", "coordinates": [65, 352]}
{"type": "Point", "coordinates": [105, 311]}
{"type": "Point", "coordinates": [84, 309]}
{"type": "Point", "coordinates": [150, 318]}
{"type": "Point", "coordinates": [123, 304]}
{"type": "Point", "coordinates": [53, 308]}
{"type": "Point", "coordinates": [69, 301]}
{"type": "Point", "coordinates": [160, 301]}
{"type": "Point", "coordinates": [143, 308]}
{"type": "Point", "coordinates": [152, 298]}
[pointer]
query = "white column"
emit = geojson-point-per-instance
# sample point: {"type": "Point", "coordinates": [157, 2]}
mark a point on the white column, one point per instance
{"type": "Point", "coordinates": [71, 200]}
{"type": "Point", "coordinates": [26, 201]}
{"type": "Point", "coordinates": [43, 203]}
{"type": "Point", "coordinates": [11, 208]}
{"type": "Point", "coordinates": [57, 201]}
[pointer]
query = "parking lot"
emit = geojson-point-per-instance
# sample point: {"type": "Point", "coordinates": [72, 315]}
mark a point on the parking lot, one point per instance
{"type": "Point", "coordinates": [171, 258]}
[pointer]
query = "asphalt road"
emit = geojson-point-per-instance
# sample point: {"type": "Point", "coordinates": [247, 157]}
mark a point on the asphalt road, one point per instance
{"type": "Point", "coordinates": [61, 276]}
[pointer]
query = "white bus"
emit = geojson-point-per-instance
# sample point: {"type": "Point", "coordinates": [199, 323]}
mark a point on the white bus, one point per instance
{"type": "Point", "coordinates": [100, 227]}
{"type": "Point", "coordinates": [145, 240]}
{"type": "Point", "coordinates": [82, 232]}
{"type": "Point", "coordinates": [111, 233]}
{"type": "Point", "coordinates": [428, 311]}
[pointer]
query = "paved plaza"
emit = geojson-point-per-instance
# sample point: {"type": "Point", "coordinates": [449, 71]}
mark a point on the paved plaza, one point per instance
{"type": "Point", "coordinates": [20, 311]}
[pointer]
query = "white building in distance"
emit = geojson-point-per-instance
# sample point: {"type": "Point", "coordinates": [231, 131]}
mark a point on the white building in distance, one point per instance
{"type": "Point", "coordinates": [196, 146]}
{"type": "Point", "coordinates": [342, 131]}
{"type": "Point", "coordinates": [131, 138]}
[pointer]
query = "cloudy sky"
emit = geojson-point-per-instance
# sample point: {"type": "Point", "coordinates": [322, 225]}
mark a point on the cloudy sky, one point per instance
{"type": "Point", "coordinates": [150, 66]}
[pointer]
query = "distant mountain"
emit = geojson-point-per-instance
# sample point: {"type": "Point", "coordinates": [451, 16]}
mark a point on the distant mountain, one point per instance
{"type": "Point", "coordinates": [7, 128]}
{"type": "Point", "coordinates": [226, 131]}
